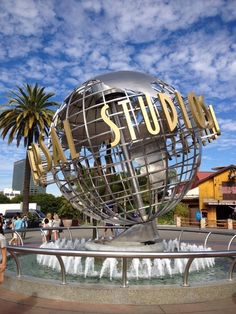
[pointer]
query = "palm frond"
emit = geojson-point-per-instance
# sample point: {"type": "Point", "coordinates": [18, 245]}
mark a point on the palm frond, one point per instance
{"type": "Point", "coordinates": [27, 113]}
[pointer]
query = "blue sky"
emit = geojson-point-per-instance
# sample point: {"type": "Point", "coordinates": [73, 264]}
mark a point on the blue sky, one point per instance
{"type": "Point", "coordinates": [61, 43]}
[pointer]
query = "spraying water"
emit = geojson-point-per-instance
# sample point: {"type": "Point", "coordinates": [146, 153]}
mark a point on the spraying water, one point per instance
{"type": "Point", "coordinates": [111, 267]}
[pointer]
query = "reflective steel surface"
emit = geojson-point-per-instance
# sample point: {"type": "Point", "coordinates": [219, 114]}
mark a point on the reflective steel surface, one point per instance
{"type": "Point", "coordinates": [147, 171]}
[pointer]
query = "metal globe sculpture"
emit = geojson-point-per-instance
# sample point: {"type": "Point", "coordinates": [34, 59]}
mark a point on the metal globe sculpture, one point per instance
{"type": "Point", "coordinates": [127, 165]}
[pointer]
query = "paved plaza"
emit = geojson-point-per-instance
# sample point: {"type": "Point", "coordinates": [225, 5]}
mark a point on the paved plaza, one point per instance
{"type": "Point", "coordinates": [11, 302]}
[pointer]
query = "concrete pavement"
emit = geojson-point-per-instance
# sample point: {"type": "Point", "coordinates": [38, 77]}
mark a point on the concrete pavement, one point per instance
{"type": "Point", "coordinates": [11, 302]}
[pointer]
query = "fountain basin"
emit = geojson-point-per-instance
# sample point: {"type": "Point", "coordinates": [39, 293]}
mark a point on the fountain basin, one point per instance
{"type": "Point", "coordinates": [100, 291]}
{"type": "Point", "coordinates": [110, 294]}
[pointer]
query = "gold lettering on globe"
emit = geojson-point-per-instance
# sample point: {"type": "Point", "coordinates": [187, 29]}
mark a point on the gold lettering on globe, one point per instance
{"type": "Point", "coordinates": [204, 117]}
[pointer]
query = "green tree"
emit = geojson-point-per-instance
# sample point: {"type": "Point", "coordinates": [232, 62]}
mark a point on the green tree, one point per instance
{"type": "Point", "coordinates": [17, 199]}
{"type": "Point", "coordinates": [28, 115]}
{"type": "Point", "coordinates": [66, 210]}
{"type": "Point", "coordinates": [48, 202]}
{"type": "Point", "coordinates": [4, 199]}
{"type": "Point", "coordinates": [167, 219]}
{"type": "Point", "coordinates": [180, 210]}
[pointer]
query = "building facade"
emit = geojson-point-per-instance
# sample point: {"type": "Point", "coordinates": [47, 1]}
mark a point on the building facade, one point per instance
{"type": "Point", "coordinates": [214, 195]}
{"type": "Point", "coordinates": [18, 179]}
{"type": "Point", "coordinates": [217, 195]}
{"type": "Point", "coordinates": [10, 193]}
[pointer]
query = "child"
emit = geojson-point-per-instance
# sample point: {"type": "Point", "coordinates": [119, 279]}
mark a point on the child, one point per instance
{"type": "Point", "coordinates": [50, 223]}
{"type": "Point", "coordinates": [56, 224]}
{"type": "Point", "coordinates": [45, 233]}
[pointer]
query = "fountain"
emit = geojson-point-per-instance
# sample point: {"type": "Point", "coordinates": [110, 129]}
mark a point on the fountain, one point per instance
{"type": "Point", "coordinates": [65, 270]}
{"type": "Point", "coordinates": [111, 267]}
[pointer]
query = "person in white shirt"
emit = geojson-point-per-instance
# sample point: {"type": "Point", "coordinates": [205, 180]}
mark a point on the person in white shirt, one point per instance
{"type": "Point", "coordinates": [49, 225]}
{"type": "Point", "coordinates": [56, 224]}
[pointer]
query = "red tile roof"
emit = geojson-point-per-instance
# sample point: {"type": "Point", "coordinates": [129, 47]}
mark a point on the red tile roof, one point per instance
{"type": "Point", "coordinates": [200, 176]}
{"type": "Point", "coordinates": [204, 174]}
{"type": "Point", "coordinates": [221, 170]}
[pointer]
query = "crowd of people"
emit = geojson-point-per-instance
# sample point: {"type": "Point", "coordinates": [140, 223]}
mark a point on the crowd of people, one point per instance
{"type": "Point", "coordinates": [19, 224]}
{"type": "Point", "coordinates": [51, 221]}
{"type": "Point", "coordinates": [15, 223]}
{"type": "Point", "coordinates": [50, 231]}
{"type": "Point", "coordinates": [8, 223]}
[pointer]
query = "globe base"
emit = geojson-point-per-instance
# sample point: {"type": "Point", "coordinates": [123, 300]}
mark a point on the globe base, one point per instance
{"type": "Point", "coordinates": [145, 233]}
{"type": "Point", "coordinates": [142, 237]}
{"type": "Point", "coordinates": [112, 246]}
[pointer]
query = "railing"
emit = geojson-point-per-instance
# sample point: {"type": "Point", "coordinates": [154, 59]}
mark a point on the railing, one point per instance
{"type": "Point", "coordinates": [186, 222]}
{"type": "Point", "coordinates": [208, 223]}
{"type": "Point", "coordinates": [16, 250]}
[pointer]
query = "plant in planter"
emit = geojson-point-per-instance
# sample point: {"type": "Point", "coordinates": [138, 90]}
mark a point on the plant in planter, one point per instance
{"type": "Point", "coordinates": [68, 214]}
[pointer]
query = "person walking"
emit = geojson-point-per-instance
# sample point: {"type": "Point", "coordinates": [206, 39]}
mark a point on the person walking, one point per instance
{"type": "Point", "coordinates": [3, 248]}
{"type": "Point", "coordinates": [24, 226]}
{"type": "Point", "coordinates": [17, 225]}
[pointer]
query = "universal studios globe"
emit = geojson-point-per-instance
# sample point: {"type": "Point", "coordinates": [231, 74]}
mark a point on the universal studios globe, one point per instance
{"type": "Point", "coordinates": [125, 171]}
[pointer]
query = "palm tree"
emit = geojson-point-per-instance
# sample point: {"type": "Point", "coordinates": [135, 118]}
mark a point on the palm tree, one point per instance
{"type": "Point", "coordinates": [28, 115]}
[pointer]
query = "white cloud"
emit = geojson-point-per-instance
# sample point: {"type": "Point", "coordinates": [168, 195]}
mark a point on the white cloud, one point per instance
{"type": "Point", "coordinates": [227, 106]}
{"type": "Point", "coordinates": [26, 17]}
{"type": "Point", "coordinates": [227, 124]}
{"type": "Point", "coordinates": [229, 11]}
{"type": "Point", "coordinates": [60, 44]}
